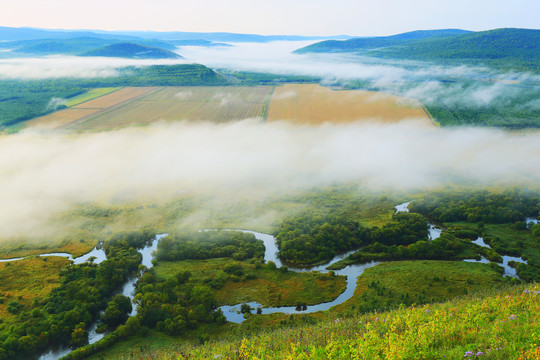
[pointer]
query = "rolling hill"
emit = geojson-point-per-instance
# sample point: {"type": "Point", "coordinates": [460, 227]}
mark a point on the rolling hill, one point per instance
{"type": "Point", "coordinates": [133, 51]}
{"type": "Point", "coordinates": [73, 46]}
{"type": "Point", "coordinates": [523, 44]}
{"type": "Point", "coordinates": [505, 48]}
{"type": "Point", "coordinates": [357, 44]}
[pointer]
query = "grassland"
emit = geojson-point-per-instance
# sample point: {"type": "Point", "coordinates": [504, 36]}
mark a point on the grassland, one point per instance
{"type": "Point", "coordinates": [27, 280]}
{"type": "Point", "coordinates": [269, 287]}
{"type": "Point", "coordinates": [495, 324]}
{"type": "Point", "coordinates": [81, 228]}
{"type": "Point", "coordinates": [387, 285]}
{"type": "Point", "coordinates": [78, 244]}
{"type": "Point", "coordinates": [493, 327]}
{"type": "Point", "coordinates": [313, 104]}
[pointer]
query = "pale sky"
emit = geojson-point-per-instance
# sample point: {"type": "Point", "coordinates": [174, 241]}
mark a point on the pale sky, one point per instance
{"type": "Point", "coordinates": [300, 17]}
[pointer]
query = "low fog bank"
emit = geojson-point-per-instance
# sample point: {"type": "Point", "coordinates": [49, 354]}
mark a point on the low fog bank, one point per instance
{"type": "Point", "coordinates": [45, 172]}
{"type": "Point", "coordinates": [427, 82]}
{"type": "Point", "coordinates": [53, 67]}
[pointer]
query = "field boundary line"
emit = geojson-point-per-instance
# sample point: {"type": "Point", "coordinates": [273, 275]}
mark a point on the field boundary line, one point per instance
{"type": "Point", "coordinates": [433, 121]}
{"type": "Point", "coordinates": [109, 109]}
{"type": "Point", "coordinates": [266, 103]}
{"type": "Point", "coordinates": [97, 97]}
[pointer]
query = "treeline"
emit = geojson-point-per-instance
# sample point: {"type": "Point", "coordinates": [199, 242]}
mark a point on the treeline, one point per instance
{"type": "Point", "coordinates": [210, 244]}
{"type": "Point", "coordinates": [62, 318]}
{"type": "Point", "coordinates": [22, 100]}
{"type": "Point", "coordinates": [251, 78]}
{"type": "Point", "coordinates": [446, 247]}
{"type": "Point", "coordinates": [312, 238]}
{"type": "Point", "coordinates": [478, 206]}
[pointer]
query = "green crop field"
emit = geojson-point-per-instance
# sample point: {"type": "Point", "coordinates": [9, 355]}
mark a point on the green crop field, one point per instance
{"type": "Point", "coordinates": [89, 95]}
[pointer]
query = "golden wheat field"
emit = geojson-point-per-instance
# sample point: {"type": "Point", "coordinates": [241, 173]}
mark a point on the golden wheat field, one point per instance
{"type": "Point", "coordinates": [314, 104]}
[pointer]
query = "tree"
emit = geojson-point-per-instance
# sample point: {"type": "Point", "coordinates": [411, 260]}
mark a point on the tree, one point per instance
{"type": "Point", "coordinates": [14, 307]}
{"type": "Point", "coordinates": [79, 336]}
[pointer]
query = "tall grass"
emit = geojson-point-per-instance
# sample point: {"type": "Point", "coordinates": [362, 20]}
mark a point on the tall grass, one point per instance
{"type": "Point", "coordinates": [501, 325]}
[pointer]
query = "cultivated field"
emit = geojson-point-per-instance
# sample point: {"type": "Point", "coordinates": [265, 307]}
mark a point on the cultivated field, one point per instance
{"type": "Point", "coordinates": [302, 104]}
{"type": "Point", "coordinates": [90, 95]}
{"type": "Point", "coordinates": [61, 118]}
{"type": "Point", "coordinates": [215, 104]}
{"type": "Point", "coordinates": [315, 104]}
{"type": "Point", "coordinates": [86, 110]}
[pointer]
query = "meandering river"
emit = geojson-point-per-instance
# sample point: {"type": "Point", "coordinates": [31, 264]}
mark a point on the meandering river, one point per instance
{"type": "Point", "coordinates": [435, 232]}
{"type": "Point", "coordinates": [128, 289]}
{"type": "Point", "coordinates": [232, 312]}
{"type": "Point", "coordinates": [351, 272]}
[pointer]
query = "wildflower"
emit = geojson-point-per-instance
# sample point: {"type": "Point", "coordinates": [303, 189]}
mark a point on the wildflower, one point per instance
{"type": "Point", "coordinates": [468, 353]}
{"type": "Point", "coordinates": [217, 356]}
{"type": "Point", "coordinates": [427, 311]}
{"type": "Point", "coordinates": [512, 317]}
{"type": "Point", "coordinates": [479, 353]}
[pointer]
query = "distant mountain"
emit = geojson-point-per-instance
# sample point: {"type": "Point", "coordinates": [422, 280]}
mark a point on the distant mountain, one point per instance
{"type": "Point", "coordinates": [74, 46]}
{"type": "Point", "coordinates": [17, 34]}
{"type": "Point", "coordinates": [198, 42]}
{"type": "Point", "coordinates": [364, 43]}
{"type": "Point", "coordinates": [133, 51]}
{"type": "Point", "coordinates": [221, 36]}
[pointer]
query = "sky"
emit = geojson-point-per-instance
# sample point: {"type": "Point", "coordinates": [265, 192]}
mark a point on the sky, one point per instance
{"type": "Point", "coordinates": [279, 17]}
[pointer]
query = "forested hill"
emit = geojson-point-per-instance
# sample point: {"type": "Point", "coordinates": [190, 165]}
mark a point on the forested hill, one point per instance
{"type": "Point", "coordinates": [133, 51]}
{"type": "Point", "coordinates": [365, 43]}
{"type": "Point", "coordinates": [508, 48]}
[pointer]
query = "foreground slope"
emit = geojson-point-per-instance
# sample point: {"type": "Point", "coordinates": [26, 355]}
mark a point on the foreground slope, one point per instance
{"type": "Point", "coordinates": [502, 325]}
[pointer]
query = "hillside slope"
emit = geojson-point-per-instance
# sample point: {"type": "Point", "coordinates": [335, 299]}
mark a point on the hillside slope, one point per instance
{"type": "Point", "coordinates": [503, 325]}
